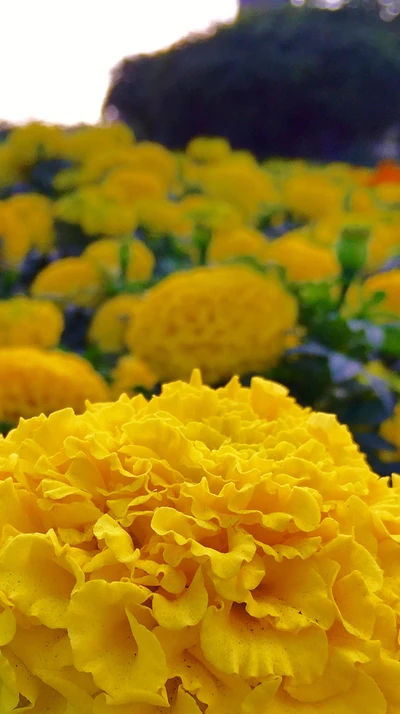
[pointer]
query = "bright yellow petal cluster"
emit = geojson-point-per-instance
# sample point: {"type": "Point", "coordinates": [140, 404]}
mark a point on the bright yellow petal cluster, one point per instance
{"type": "Point", "coordinates": [105, 254]}
{"type": "Point", "coordinates": [35, 381]}
{"type": "Point", "coordinates": [207, 552]}
{"type": "Point", "coordinates": [111, 321]}
{"type": "Point", "coordinates": [69, 280]}
{"type": "Point", "coordinates": [28, 322]}
{"type": "Point", "coordinates": [36, 212]}
{"type": "Point", "coordinates": [129, 374]}
{"type": "Point", "coordinates": [223, 319]}
{"type": "Point", "coordinates": [303, 260]}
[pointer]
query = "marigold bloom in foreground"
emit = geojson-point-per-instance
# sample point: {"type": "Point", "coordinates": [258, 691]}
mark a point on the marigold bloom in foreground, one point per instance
{"type": "Point", "coordinates": [207, 552]}
{"type": "Point", "coordinates": [35, 381]}
{"type": "Point", "coordinates": [223, 319]}
{"type": "Point", "coordinates": [73, 280]}
{"type": "Point", "coordinates": [28, 322]}
{"type": "Point", "coordinates": [111, 321]}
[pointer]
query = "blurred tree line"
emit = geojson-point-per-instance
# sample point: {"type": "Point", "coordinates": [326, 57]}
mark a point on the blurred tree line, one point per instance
{"type": "Point", "coordinates": [284, 81]}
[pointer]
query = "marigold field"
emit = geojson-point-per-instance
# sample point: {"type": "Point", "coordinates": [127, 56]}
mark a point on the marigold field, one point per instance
{"type": "Point", "coordinates": [199, 401]}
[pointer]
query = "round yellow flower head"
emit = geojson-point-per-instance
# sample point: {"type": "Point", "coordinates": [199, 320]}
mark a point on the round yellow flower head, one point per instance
{"type": "Point", "coordinates": [208, 150]}
{"type": "Point", "coordinates": [163, 217]}
{"type": "Point", "coordinates": [15, 237]}
{"type": "Point", "coordinates": [10, 171]}
{"type": "Point", "coordinates": [35, 381]}
{"type": "Point", "coordinates": [304, 261]}
{"type": "Point", "coordinates": [127, 186]}
{"type": "Point", "coordinates": [129, 374]}
{"type": "Point", "coordinates": [210, 213]}
{"type": "Point", "coordinates": [36, 212]}
{"type": "Point", "coordinates": [95, 212]}
{"type": "Point", "coordinates": [69, 280]}
{"type": "Point", "coordinates": [223, 319]}
{"type": "Point", "coordinates": [35, 141]}
{"type": "Point", "coordinates": [111, 321]}
{"type": "Point", "coordinates": [246, 188]}
{"type": "Point", "coordinates": [238, 242]}
{"type": "Point", "coordinates": [105, 255]}
{"type": "Point", "coordinates": [24, 321]}
{"type": "Point", "coordinates": [311, 195]}
{"type": "Point", "coordinates": [148, 156]}
{"type": "Point", "coordinates": [91, 140]}
{"type": "Point", "coordinates": [206, 552]}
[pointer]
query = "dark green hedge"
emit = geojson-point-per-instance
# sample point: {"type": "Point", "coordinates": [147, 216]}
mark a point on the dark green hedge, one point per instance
{"type": "Point", "coordinates": [288, 82]}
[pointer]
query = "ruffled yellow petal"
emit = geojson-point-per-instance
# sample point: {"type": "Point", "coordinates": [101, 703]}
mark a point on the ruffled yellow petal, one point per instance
{"type": "Point", "coordinates": [38, 577]}
{"type": "Point", "coordinates": [185, 611]}
{"type": "Point", "coordinates": [123, 655]}
{"type": "Point", "coordinates": [236, 643]}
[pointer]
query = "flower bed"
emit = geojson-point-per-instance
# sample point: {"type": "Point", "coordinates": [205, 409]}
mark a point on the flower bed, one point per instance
{"type": "Point", "coordinates": [147, 264]}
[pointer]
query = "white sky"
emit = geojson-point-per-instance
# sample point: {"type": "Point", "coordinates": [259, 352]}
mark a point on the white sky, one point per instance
{"type": "Point", "coordinates": [56, 55]}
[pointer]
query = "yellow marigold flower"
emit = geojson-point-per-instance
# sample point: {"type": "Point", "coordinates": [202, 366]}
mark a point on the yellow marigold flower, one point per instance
{"type": "Point", "coordinates": [238, 242]}
{"type": "Point", "coordinates": [208, 150]}
{"type": "Point", "coordinates": [127, 186]}
{"type": "Point", "coordinates": [387, 282]}
{"type": "Point", "coordinates": [206, 552]}
{"type": "Point", "coordinates": [35, 381]}
{"type": "Point", "coordinates": [36, 212]}
{"type": "Point", "coordinates": [69, 280]}
{"type": "Point", "coordinates": [105, 255]}
{"type": "Point", "coordinates": [130, 373]}
{"type": "Point", "coordinates": [148, 156]}
{"type": "Point", "coordinates": [35, 141]}
{"type": "Point", "coordinates": [223, 319]}
{"type": "Point", "coordinates": [304, 262]}
{"type": "Point", "coordinates": [388, 194]}
{"type": "Point", "coordinates": [23, 322]}
{"type": "Point", "coordinates": [246, 188]}
{"type": "Point", "coordinates": [111, 321]}
{"type": "Point", "coordinates": [15, 239]}
{"type": "Point", "coordinates": [90, 140]}
{"type": "Point", "coordinates": [95, 212]}
{"type": "Point", "coordinates": [163, 217]}
{"type": "Point", "coordinates": [310, 195]}
{"type": "Point", "coordinates": [210, 213]}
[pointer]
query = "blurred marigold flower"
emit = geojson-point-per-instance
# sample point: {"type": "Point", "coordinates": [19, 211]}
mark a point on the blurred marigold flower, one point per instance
{"type": "Point", "coordinates": [28, 322]}
{"type": "Point", "coordinates": [208, 150]}
{"type": "Point", "coordinates": [35, 381]}
{"type": "Point", "coordinates": [223, 319]}
{"type": "Point", "coordinates": [96, 213]}
{"type": "Point", "coordinates": [69, 280]}
{"type": "Point", "coordinates": [303, 260]}
{"type": "Point", "coordinates": [36, 212]}
{"type": "Point", "coordinates": [129, 374]}
{"type": "Point", "coordinates": [105, 255]}
{"type": "Point", "coordinates": [111, 321]}
{"type": "Point", "coordinates": [237, 242]}
{"type": "Point", "coordinates": [15, 237]}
